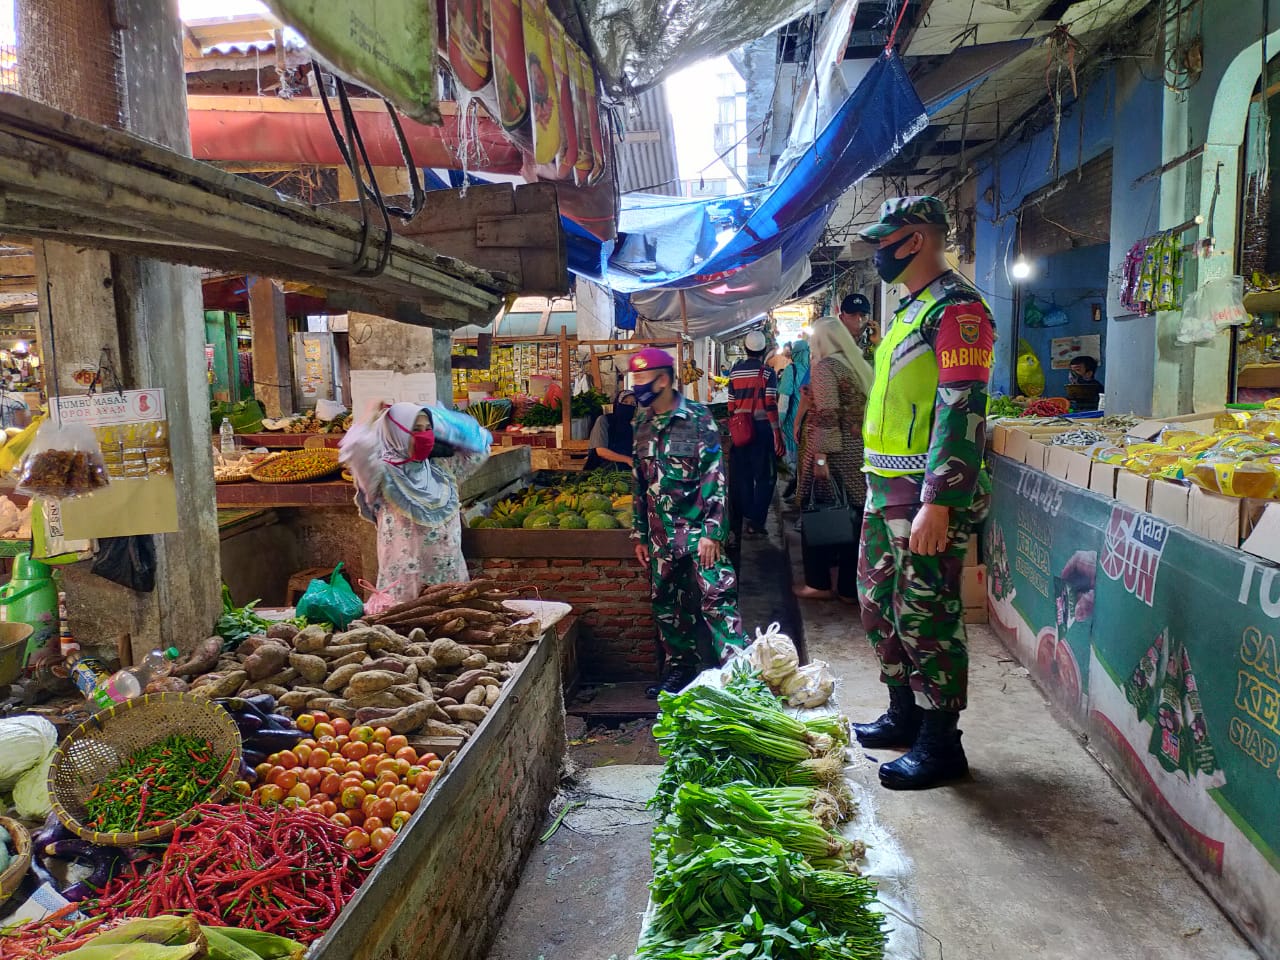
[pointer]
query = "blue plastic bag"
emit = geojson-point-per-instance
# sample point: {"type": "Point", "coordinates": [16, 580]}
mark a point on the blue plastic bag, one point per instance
{"type": "Point", "coordinates": [333, 602]}
{"type": "Point", "coordinates": [460, 430]}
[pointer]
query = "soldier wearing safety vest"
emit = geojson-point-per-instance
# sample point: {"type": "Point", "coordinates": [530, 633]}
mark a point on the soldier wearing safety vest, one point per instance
{"type": "Point", "coordinates": [924, 434]}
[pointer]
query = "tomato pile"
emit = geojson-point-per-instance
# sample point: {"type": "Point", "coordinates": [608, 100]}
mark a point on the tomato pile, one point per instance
{"type": "Point", "coordinates": [365, 779]}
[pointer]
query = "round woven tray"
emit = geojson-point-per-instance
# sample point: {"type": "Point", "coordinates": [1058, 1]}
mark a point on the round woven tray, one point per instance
{"type": "Point", "coordinates": [11, 878]}
{"type": "Point", "coordinates": [96, 749]}
{"type": "Point", "coordinates": [322, 464]}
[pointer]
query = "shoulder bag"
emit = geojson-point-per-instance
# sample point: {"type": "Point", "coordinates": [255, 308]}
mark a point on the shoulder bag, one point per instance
{"type": "Point", "coordinates": [830, 524]}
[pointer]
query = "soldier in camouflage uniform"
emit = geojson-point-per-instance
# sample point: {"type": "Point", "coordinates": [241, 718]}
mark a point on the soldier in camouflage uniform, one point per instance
{"type": "Point", "coordinates": [679, 513]}
{"type": "Point", "coordinates": [924, 434]}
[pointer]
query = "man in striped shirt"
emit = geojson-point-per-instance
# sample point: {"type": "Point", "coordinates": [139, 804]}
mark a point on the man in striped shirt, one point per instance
{"type": "Point", "coordinates": [753, 468]}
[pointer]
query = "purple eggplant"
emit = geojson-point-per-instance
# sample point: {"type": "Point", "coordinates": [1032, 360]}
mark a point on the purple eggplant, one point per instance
{"type": "Point", "coordinates": [273, 741]}
{"type": "Point", "coordinates": [51, 832]}
{"type": "Point", "coordinates": [248, 722]}
{"type": "Point", "coordinates": [280, 722]}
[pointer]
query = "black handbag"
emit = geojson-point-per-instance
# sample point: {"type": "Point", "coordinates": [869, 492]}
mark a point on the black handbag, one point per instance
{"type": "Point", "coordinates": [830, 524]}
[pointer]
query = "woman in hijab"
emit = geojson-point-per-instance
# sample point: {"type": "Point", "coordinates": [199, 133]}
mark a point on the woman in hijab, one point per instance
{"type": "Point", "coordinates": [407, 484]}
{"type": "Point", "coordinates": [789, 386]}
{"type": "Point", "coordinates": [840, 382]}
{"type": "Point", "coordinates": [612, 439]}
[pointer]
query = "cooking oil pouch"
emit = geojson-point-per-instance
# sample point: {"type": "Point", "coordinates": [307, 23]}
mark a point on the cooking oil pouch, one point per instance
{"type": "Point", "coordinates": [1253, 479]}
{"type": "Point", "coordinates": [1108, 453]}
{"type": "Point", "coordinates": [1178, 437]}
{"type": "Point", "coordinates": [1233, 420]}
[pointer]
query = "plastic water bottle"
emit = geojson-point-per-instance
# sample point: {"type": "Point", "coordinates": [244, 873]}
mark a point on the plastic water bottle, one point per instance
{"type": "Point", "coordinates": [227, 437]}
{"type": "Point", "coordinates": [130, 682]}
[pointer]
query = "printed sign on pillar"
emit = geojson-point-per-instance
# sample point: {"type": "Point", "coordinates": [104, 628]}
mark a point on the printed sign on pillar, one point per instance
{"type": "Point", "coordinates": [133, 428]}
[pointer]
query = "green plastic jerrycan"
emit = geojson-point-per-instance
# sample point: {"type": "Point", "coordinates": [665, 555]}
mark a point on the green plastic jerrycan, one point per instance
{"type": "Point", "coordinates": [31, 597]}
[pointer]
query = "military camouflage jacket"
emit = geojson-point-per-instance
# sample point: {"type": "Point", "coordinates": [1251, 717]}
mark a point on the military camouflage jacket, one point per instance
{"type": "Point", "coordinates": [679, 479]}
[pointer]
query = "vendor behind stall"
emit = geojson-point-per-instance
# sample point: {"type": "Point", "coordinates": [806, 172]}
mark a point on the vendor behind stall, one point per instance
{"type": "Point", "coordinates": [612, 437]}
{"type": "Point", "coordinates": [407, 483]}
{"type": "Point", "coordinates": [1083, 386]}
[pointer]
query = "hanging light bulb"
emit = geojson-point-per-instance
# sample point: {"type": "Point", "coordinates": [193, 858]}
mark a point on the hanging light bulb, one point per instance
{"type": "Point", "coordinates": [1021, 269]}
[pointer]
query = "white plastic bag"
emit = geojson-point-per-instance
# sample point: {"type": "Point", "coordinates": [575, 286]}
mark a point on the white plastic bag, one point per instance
{"type": "Point", "coordinates": [1222, 302]}
{"type": "Point", "coordinates": [64, 461]}
{"type": "Point", "coordinates": [1196, 326]}
{"type": "Point", "coordinates": [774, 655]}
{"type": "Point", "coordinates": [810, 686]}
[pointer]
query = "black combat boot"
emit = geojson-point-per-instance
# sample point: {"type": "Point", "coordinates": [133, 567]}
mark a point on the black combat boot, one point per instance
{"type": "Point", "coordinates": [936, 758]}
{"type": "Point", "coordinates": [678, 675]}
{"type": "Point", "coordinates": [896, 729]}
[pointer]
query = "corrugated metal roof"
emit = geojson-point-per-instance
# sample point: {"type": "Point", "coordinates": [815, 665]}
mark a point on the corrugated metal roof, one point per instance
{"type": "Point", "coordinates": [647, 154]}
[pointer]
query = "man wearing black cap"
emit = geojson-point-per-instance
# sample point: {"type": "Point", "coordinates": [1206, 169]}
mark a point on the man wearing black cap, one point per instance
{"type": "Point", "coordinates": [923, 436]}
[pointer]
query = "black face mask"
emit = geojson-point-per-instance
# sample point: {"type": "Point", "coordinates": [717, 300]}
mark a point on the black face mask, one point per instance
{"type": "Point", "coordinates": [889, 265]}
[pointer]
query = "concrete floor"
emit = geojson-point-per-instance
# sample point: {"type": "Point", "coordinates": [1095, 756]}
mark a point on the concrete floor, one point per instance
{"type": "Point", "coordinates": [1038, 855]}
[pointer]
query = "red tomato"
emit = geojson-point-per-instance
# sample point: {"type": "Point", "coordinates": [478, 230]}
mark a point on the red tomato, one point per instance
{"type": "Point", "coordinates": [286, 780]}
{"type": "Point", "coordinates": [382, 838]}
{"type": "Point", "coordinates": [342, 725]}
{"type": "Point", "coordinates": [242, 788]}
{"type": "Point", "coordinates": [288, 759]}
{"type": "Point", "coordinates": [262, 771]}
{"type": "Point", "coordinates": [315, 807]}
{"type": "Point", "coordinates": [341, 819]}
{"type": "Point", "coordinates": [339, 763]}
{"type": "Point", "coordinates": [434, 765]}
{"type": "Point", "coordinates": [369, 765]}
{"type": "Point", "coordinates": [367, 804]}
{"type": "Point", "coordinates": [407, 754]}
{"type": "Point", "coordinates": [319, 758]}
{"type": "Point", "coordinates": [351, 798]}
{"type": "Point", "coordinates": [400, 819]}
{"type": "Point", "coordinates": [323, 729]}
{"type": "Point", "coordinates": [383, 808]}
{"type": "Point", "coordinates": [387, 765]}
{"type": "Point", "coordinates": [329, 809]}
{"type": "Point", "coordinates": [303, 753]}
{"type": "Point", "coordinates": [302, 792]}
{"type": "Point", "coordinates": [356, 816]}
{"type": "Point", "coordinates": [371, 824]}
{"type": "Point", "coordinates": [355, 750]}
{"type": "Point", "coordinates": [331, 784]}
{"type": "Point", "coordinates": [424, 781]}
{"type": "Point", "coordinates": [413, 772]}
{"type": "Point", "coordinates": [400, 791]}
{"type": "Point", "coordinates": [307, 722]}
{"type": "Point", "coordinates": [388, 776]}
{"type": "Point", "coordinates": [369, 786]}
{"type": "Point", "coordinates": [409, 802]}
{"type": "Point", "coordinates": [386, 787]}
{"type": "Point", "coordinates": [427, 758]}
{"type": "Point", "coordinates": [356, 840]}
{"type": "Point", "coordinates": [362, 733]}
{"type": "Point", "coordinates": [312, 778]}
{"type": "Point", "coordinates": [319, 716]}
{"type": "Point", "coordinates": [396, 743]}
{"type": "Point", "coordinates": [376, 748]}
{"type": "Point", "coordinates": [292, 803]}
{"type": "Point", "coordinates": [382, 734]}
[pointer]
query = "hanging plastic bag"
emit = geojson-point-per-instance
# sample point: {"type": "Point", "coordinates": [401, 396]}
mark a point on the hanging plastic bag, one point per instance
{"type": "Point", "coordinates": [460, 430]}
{"type": "Point", "coordinates": [1222, 302]}
{"type": "Point", "coordinates": [380, 601]}
{"type": "Point", "coordinates": [774, 654]}
{"type": "Point", "coordinates": [128, 561]}
{"type": "Point", "coordinates": [1195, 327]}
{"type": "Point", "coordinates": [334, 603]}
{"type": "Point", "coordinates": [1032, 315]}
{"type": "Point", "coordinates": [1055, 316]}
{"type": "Point", "coordinates": [1030, 373]}
{"type": "Point", "coordinates": [810, 686]}
{"type": "Point", "coordinates": [63, 461]}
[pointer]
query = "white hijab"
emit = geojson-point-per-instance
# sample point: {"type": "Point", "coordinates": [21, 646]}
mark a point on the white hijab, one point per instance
{"type": "Point", "coordinates": [378, 457]}
{"type": "Point", "coordinates": [831, 338]}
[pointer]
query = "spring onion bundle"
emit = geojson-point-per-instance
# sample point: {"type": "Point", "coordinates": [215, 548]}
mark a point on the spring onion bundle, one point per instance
{"type": "Point", "coordinates": [724, 718]}
{"type": "Point", "coordinates": [709, 881]}
{"type": "Point", "coordinates": [754, 938]}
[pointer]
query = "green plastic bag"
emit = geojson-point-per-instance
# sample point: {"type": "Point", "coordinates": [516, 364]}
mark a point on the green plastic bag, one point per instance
{"type": "Point", "coordinates": [334, 602]}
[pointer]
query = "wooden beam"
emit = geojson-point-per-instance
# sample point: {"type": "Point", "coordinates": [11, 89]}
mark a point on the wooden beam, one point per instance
{"type": "Point", "coordinates": [79, 182]}
{"type": "Point", "coordinates": [309, 105]}
{"type": "Point", "coordinates": [17, 265]}
{"type": "Point", "coordinates": [272, 368]}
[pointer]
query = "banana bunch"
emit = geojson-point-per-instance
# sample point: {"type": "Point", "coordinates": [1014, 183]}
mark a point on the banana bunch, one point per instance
{"type": "Point", "coordinates": [622, 503]}
{"type": "Point", "coordinates": [182, 938]}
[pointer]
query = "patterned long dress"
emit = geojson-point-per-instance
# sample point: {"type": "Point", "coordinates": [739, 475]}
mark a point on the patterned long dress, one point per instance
{"type": "Point", "coordinates": [833, 430]}
{"type": "Point", "coordinates": [412, 556]}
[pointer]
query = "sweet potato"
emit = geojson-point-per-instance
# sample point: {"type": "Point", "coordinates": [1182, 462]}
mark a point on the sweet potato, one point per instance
{"type": "Point", "coordinates": [360, 635]}
{"type": "Point", "coordinates": [202, 659]}
{"type": "Point", "coordinates": [382, 698]}
{"type": "Point", "coordinates": [167, 685]}
{"type": "Point", "coordinates": [311, 640]}
{"type": "Point", "coordinates": [371, 681]}
{"type": "Point", "coordinates": [334, 706]}
{"type": "Point", "coordinates": [270, 688]}
{"type": "Point", "coordinates": [410, 718]}
{"type": "Point", "coordinates": [336, 651]}
{"type": "Point", "coordinates": [491, 695]}
{"type": "Point", "coordinates": [467, 711]}
{"type": "Point", "coordinates": [460, 687]}
{"type": "Point", "coordinates": [447, 653]}
{"type": "Point", "coordinates": [282, 631]}
{"type": "Point", "coordinates": [388, 663]}
{"type": "Point", "coordinates": [408, 694]}
{"type": "Point", "coordinates": [476, 696]}
{"type": "Point", "coordinates": [284, 678]}
{"type": "Point", "coordinates": [375, 715]}
{"type": "Point", "coordinates": [342, 676]}
{"type": "Point", "coordinates": [418, 635]}
{"type": "Point", "coordinates": [435, 728]}
{"type": "Point", "coordinates": [266, 660]}
{"type": "Point", "coordinates": [474, 661]}
{"type": "Point", "coordinates": [359, 656]}
{"type": "Point", "coordinates": [227, 685]}
{"type": "Point", "coordinates": [311, 668]}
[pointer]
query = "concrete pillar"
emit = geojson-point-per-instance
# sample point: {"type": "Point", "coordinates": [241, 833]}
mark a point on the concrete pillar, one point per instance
{"type": "Point", "coordinates": [272, 370]}
{"type": "Point", "coordinates": [108, 63]}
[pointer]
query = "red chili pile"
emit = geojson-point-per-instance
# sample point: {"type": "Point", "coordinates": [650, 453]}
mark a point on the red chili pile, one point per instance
{"type": "Point", "coordinates": [1047, 407]}
{"type": "Point", "coordinates": [278, 870]}
{"type": "Point", "coordinates": [50, 937]}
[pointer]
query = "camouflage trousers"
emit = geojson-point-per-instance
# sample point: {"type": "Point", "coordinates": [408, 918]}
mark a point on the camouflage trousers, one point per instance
{"type": "Point", "coordinates": [681, 585]}
{"type": "Point", "coordinates": [911, 607]}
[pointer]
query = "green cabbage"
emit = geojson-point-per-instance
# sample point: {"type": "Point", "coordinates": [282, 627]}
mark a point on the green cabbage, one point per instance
{"type": "Point", "coordinates": [24, 742]}
{"type": "Point", "coordinates": [31, 794]}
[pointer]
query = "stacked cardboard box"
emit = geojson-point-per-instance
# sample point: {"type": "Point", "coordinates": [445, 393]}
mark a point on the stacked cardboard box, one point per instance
{"type": "Point", "coordinates": [973, 585]}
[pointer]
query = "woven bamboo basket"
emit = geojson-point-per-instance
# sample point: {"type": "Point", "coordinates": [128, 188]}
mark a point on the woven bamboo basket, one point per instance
{"type": "Point", "coordinates": [97, 748]}
{"type": "Point", "coordinates": [11, 878]}
{"type": "Point", "coordinates": [324, 462]}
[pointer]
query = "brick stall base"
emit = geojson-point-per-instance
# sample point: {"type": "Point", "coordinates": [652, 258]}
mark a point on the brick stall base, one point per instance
{"type": "Point", "coordinates": [441, 891]}
{"type": "Point", "coordinates": [617, 638]}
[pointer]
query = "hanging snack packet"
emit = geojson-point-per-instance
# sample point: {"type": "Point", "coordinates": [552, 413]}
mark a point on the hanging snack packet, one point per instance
{"type": "Point", "coordinates": [62, 462]}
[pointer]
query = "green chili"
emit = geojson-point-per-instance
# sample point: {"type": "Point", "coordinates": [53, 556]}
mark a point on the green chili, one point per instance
{"type": "Point", "coordinates": [156, 784]}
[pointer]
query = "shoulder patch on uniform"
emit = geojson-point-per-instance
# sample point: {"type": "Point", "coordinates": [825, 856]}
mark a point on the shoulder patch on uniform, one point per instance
{"type": "Point", "coordinates": [970, 325]}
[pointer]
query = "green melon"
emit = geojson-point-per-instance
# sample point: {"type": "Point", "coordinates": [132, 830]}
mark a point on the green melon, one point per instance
{"type": "Point", "coordinates": [595, 503]}
{"type": "Point", "coordinates": [572, 521]}
{"type": "Point", "coordinates": [539, 520]}
{"type": "Point", "coordinates": [601, 521]}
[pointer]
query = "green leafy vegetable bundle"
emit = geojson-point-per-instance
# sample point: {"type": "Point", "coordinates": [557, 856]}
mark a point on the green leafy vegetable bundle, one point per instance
{"type": "Point", "coordinates": [755, 938]}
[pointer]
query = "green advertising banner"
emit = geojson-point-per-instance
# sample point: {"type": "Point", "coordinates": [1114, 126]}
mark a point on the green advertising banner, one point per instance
{"type": "Point", "coordinates": [1162, 646]}
{"type": "Point", "coordinates": [386, 45]}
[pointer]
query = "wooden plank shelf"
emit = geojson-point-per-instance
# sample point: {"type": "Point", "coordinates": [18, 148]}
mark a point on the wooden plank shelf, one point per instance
{"type": "Point", "coordinates": [78, 182]}
{"type": "Point", "coordinates": [251, 493]}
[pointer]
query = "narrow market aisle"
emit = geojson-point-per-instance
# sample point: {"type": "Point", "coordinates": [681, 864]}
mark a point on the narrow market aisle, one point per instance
{"type": "Point", "coordinates": [1040, 854]}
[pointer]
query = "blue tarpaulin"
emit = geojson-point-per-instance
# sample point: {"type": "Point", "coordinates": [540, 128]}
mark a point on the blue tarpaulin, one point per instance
{"type": "Point", "coordinates": [679, 243]}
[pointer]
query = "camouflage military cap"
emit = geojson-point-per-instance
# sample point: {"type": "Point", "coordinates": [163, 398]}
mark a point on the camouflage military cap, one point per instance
{"type": "Point", "coordinates": [904, 211]}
